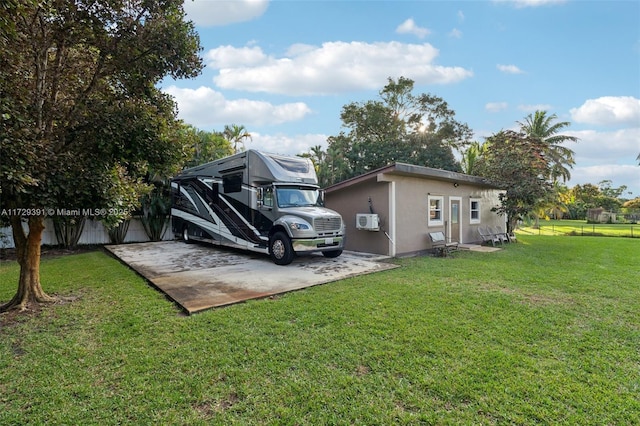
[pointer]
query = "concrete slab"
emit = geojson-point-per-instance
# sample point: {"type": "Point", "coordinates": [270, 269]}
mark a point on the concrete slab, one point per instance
{"type": "Point", "coordinates": [200, 277]}
{"type": "Point", "coordinates": [477, 247]}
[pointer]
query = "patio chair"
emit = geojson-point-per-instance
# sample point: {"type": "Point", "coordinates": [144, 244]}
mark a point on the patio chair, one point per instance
{"type": "Point", "coordinates": [440, 245]}
{"type": "Point", "coordinates": [488, 236]}
{"type": "Point", "coordinates": [502, 236]}
{"type": "Point", "coordinates": [511, 237]}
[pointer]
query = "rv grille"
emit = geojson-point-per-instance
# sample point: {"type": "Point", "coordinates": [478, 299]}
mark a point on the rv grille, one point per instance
{"type": "Point", "coordinates": [324, 224]}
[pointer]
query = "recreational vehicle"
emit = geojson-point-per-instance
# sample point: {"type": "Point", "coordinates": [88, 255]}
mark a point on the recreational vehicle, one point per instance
{"type": "Point", "coordinates": [257, 201]}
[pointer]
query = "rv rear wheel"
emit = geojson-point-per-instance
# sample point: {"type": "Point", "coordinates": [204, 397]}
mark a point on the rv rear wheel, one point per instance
{"type": "Point", "coordinates": [185, 235]}
{"type": "Point", "coordinates": [280, 249]}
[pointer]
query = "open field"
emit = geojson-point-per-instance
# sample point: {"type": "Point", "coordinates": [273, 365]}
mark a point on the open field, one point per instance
{"type": "Point", "coordinates": [582, 228]}
{"type": "Point", "coordinates": [546, 331]}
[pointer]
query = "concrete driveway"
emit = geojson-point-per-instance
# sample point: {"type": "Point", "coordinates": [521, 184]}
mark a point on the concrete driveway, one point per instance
{"type": "Point", "coordinates": [199, 277]}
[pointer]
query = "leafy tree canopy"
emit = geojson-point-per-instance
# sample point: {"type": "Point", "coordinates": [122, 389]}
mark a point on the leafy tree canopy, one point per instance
{"type": "Point", "coordinates": [516, 162]}
{"type": "Point", "coordinates": [544, 127]}
{"type": "Point", "coordinates": [236, 134]}
{"type": "Point", "coordinates": [397, 127]}
{"type": "Point", "coordinates": [204, 146]}
{"type": "Point", "coordinates": [590, 196]}
{"type": "Point", "coordinates": [81, 116]}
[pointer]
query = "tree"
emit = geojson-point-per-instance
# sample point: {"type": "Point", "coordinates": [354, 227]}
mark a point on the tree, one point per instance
{"type": "Point", "coordinates": [608, 190]}
{"type": "Point", "coordinates": [81, 114]}
{"type": "Point", "coordinates": [470, 157]}
{"type": "Point", "coordinates": [316, 155]}
{"type": "Point", "coordinates": [398, 127]}
{"type": "Point", "coordinates": [429, 151]}
{"type": "Point", "coordinates": [516, 162]}
{"type": "Point", "coordinates": [205, 146]}
{"type": "Point", "coordinates": [236, 135]}
{"type": "Point", "coordinates": [540, 125]}
{"type": "Point", "coordinates": [554, 205]}
{"type": "Point", "coordinates": [197, 147]}
{"type": "Point", "coordinates": [331, 166]}
{"type": "Point", "coordinates": [590, 196]}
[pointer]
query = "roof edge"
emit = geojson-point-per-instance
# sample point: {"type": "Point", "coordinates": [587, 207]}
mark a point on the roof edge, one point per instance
{"type": "Point", "coordinates": [404, 169]}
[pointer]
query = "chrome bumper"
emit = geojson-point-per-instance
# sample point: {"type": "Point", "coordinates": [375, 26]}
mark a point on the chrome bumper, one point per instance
{"type": "Point", "coordinates": [318, 244]}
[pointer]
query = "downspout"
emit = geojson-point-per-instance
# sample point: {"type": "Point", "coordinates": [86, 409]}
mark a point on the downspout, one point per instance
{"type": "Point", "coordinates": [392, 219]}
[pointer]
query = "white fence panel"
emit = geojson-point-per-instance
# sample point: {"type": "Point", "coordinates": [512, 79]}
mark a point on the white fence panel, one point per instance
{"type": "Point", "coordinates": [94, 232]}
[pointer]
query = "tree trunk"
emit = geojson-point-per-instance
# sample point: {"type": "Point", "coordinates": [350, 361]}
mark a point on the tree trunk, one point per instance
{"type": "Point", "coordinates": [28, 254]}
{"type": "Point", "coordinates": [512, 223]}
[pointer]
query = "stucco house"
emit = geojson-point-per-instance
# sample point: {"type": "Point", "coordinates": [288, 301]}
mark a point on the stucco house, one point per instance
{"type": "Point", "coordinates": [392, 210]}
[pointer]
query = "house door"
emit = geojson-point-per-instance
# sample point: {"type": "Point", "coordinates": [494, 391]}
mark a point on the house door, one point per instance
{"type": "Point", "coordinates": [454, 219]}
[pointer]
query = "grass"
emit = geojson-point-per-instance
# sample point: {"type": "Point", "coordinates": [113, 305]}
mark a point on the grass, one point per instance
{"type": "Point", "coordinates": [582, 228]}
{"type": "Point", "coordinates": [546, 331]}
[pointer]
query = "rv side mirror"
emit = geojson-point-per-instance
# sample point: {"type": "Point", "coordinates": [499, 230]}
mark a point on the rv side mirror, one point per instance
{"type": "Point", "coordinates": [321, 197]}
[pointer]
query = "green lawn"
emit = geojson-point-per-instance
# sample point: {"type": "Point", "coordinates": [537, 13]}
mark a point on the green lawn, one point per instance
{"type": "Point", "coordinates": [546, 331]}
{"type": "Point", "coordinates": [582, 228]}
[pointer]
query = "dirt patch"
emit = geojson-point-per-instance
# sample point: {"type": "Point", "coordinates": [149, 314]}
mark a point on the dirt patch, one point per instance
{"type": "Point", "coordinates": [33, 310]}
{"type": "Point", "coordinates": [362, 370]}
{"type": "Point", "coordinates": [9, 254]}
{"type": "Point", "coordinates": [529, 298]}
{"type": "Point", "coordinates": [210, 408]}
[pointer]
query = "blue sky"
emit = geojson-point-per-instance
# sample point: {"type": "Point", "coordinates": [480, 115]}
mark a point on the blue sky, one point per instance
{"type": "Point", "coordinates": [285, 69]}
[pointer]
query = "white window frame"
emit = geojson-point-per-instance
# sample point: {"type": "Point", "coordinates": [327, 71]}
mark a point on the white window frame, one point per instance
{"type": "Point", "coordinates": [471, 210]}
{"type": "Point", "coordinates": [440, 221]}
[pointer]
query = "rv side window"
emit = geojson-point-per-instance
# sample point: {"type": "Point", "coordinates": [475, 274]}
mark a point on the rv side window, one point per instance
{"type": "Point", "coordinates": [232, 183]}
{"type": "Point", "coordinates": [292, 164]}
{"type": "Point", "coordinates": [187, 201]}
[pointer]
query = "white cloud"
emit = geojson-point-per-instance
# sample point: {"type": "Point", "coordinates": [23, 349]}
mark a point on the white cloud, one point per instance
{"type": "Point", "coordinates": [230, 57]}
{"type": "Point", "coordinates": [535, 107]}
{"type": "Point", "coordinates": [619, 175]}
{"type": "Point", "coordinates": [496, 106]}
{"type": "Point", "coordinates": [334, 67]}
{"type": "Point", "coordinates": [608, 110]}
{"type": "Point", "coordinates": [531, 3]}
{"type": "Point", "coordinates": [299, 49]}
{"type": "Point", "coordinates": [455, 33]}
{"type": "Point", "coordinates": [286, 144]}
{"type": "Point", "coordinates": [208, 13]}
{"type": "Point", "coordinates": [606, 147]}
{"type": "Point", "coordinates": [205, 108]}
{"type": "Point", "coordinates": [509, 69]}
{"type": "Point", "coordinates": [410, 27]}
{"type": "Point", "coordinates": [606, 155]}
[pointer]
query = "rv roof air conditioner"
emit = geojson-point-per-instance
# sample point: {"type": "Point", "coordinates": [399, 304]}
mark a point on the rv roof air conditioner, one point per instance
{"type": "Point", "coordinates": [367, 222]}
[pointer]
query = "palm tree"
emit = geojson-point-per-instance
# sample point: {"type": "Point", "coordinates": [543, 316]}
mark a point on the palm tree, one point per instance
{"type": "Point", "coordinates": [542, 126]}
{"type": "Point", "coordinates": [470, 158]}
{"type": "Point", "coordinates": [236, 134]}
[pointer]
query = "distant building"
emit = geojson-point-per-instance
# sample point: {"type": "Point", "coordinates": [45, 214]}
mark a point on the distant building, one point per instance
{"type": "Point", "coordinates": [599, 215]}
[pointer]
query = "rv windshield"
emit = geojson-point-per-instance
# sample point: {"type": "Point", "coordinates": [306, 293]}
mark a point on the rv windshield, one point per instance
{"type": "Point", "coordinates": [297, 196]}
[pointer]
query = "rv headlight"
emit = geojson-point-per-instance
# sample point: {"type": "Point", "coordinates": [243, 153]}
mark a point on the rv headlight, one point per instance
{"type": "Point", "coordinates": [299, 225]}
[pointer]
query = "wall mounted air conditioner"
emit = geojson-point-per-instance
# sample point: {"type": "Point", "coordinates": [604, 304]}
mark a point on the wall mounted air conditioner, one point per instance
{"type": "Point", "coordinates": [367, 222]}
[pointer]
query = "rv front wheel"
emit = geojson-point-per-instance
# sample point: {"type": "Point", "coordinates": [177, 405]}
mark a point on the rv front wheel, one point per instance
{"type": "Point", "coordinates": [332, 253]}
{"type": "Point", "coordinates": [280, 249]}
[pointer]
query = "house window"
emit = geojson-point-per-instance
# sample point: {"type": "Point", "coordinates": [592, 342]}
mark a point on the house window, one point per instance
{"type": "Point", "coordinates": [474, 209]}
{"type": "Point", "coordinates": [435, 211]}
